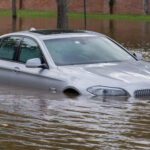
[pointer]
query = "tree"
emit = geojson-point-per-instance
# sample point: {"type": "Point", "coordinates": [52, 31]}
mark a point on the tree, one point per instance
{"type": "Point", "coordinates": [20, 4]}
{"type": "Point", "coordinates": [85, 20]}
{"type": "Point", "coordinates": [14, 13]}
{"type": "Point", "coordinates": [145, 7]}
{"type": "Point", "coordinates": [62, 16]}
{"type": "Point", "coordinates": [111, 5]}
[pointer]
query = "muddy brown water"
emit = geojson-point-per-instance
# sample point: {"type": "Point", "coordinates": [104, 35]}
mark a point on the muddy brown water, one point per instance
{"type": "Point", "coordinates": [38, 120]}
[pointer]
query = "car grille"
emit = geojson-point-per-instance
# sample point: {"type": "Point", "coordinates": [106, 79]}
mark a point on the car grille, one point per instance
{"type": "Point", "coordinates": [142, 93]}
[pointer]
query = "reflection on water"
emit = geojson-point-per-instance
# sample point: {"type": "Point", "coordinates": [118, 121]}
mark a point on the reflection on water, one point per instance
{"type": "Point", "coordinates": [134, 35]}
{"type": "Point", "coordinates": [39, 120]}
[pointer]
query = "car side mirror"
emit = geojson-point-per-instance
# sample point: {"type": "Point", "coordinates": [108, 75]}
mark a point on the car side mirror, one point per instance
{"type": "Point", "coordinates": [138, 55]}
{"type": "Point", "coordinates": [35, 63]}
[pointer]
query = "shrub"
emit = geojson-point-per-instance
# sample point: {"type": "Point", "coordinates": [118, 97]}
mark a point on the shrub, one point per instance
{"type": "Point", "coordinates": [111, 2]}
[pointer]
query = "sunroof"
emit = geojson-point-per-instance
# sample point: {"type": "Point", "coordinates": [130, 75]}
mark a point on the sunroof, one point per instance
{"type": "Point", "coordinates": [48, 32]}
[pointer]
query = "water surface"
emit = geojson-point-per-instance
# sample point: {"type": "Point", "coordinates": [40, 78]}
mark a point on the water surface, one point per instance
{"type": "Point", "coordinates": [38, 120]}
{"type": "Point", "coordinates": [134, 35]}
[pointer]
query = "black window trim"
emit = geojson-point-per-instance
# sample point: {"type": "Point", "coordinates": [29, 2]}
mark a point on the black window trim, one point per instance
{"type": "Point", "coordinates": [1, 40]}
{"type": "Point", "coordinates": [18, 49]}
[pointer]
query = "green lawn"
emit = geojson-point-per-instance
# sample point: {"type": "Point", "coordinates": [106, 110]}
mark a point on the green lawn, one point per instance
{"type": "Point", "coordinates": [53, 14]}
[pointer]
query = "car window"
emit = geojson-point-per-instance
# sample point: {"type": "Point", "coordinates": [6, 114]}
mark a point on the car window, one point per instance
{"type": "Point", "coordinates": [8, 47]}
{"type": "Point", "coordinates": [85, 50]}
{"type": "Point", "coordinates": [29, 49]}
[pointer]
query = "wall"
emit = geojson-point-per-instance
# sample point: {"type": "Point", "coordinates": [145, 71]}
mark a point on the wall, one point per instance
{"type": "Point", "coordinates": [128, 7]}
{"type": "Point", "coordinates": [125, 7]}
{"type": "Point", "coordinates": [39, 4]}
{"type": "Point", "coordinates": [93, 6]}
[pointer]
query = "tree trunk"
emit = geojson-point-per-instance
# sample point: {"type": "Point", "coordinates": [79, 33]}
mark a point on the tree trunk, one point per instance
{"type": "Point", "coordinates": [14, 13]}
{"type": "Point", "coordinates": [85, 20]}
{"type": "Point", "coordinates": [14, 24]}
{"type": "Point", "coordinates": [62, 16]}
{"type": "Point", "coordinates": [111, 6]}
{"type": "Point", "coordinates": [145, 7]}
{"type": "Point", "coordinates": [20, 4]}
{"type": "Point", "coordinates": [111, 9]}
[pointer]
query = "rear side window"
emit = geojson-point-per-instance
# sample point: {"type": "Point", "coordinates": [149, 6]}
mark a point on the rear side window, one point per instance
{"type": "Point", "coordinates": [29, 49]}
{"type": "Point", "coordinates": [8, 47]}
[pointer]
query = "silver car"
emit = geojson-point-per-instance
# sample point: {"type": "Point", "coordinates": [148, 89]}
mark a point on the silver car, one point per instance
{"type": "Point", "coordinates": [80, 62]}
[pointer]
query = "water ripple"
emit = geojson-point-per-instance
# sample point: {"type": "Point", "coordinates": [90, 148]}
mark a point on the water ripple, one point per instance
{"type": "Point", "coordinates": [44, 122]}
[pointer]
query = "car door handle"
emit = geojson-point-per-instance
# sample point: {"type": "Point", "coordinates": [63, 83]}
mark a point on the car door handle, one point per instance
{"type": "Point", "coordinates": [16, 69]}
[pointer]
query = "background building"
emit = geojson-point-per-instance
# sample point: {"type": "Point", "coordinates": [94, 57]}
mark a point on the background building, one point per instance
{"type": "Point", "coordinates": [93, 6]}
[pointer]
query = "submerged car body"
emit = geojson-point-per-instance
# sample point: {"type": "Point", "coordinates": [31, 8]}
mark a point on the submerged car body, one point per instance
{"type": "Point", "coordinates": [84, 62]}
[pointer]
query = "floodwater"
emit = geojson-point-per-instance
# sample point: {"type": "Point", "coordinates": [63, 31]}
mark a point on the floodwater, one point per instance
{"type": "Point", "coordinates": [38, 120]}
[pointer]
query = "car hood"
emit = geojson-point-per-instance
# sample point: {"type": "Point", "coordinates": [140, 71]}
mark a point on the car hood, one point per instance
{"type": "Point", "coordinates": [127, 72]}
{"type": "Point", "coordinates": [127, 75]}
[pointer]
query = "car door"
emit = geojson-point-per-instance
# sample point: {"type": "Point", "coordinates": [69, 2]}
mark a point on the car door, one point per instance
{"type": "Point", "coordinates": [8, 50]}
{"type": "Point", "coordinates": [33, 77]}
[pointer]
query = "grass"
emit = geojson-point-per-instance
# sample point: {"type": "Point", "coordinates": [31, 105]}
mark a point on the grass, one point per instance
{"type": "Point", "coordinates": [29, 13]}
{"type": "Point", "coordinates": [72, 15]}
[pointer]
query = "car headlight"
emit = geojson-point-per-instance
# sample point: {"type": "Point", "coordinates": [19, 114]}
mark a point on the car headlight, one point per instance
{"type": "Point", "coordinates": [107, 91]}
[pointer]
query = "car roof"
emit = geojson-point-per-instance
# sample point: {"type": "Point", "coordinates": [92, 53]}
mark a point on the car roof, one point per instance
{"type": "Point", "coordinates": [56, 33]}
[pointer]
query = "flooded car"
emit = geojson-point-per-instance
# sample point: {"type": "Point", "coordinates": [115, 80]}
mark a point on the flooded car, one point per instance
{"type": "Point", "coordinates": [72, 61]}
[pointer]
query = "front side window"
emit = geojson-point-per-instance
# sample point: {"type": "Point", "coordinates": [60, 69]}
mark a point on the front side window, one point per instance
{"type": "Point", "coordinates": [8, 47]}
{"type": "Point", "coordinates": [85, 50]}
{"type": "Point", "coordinates": [29, 49]}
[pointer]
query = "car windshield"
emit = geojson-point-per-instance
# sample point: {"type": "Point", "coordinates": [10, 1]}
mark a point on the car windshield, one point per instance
{"type": "Point", "coordinates": [85, 50]}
